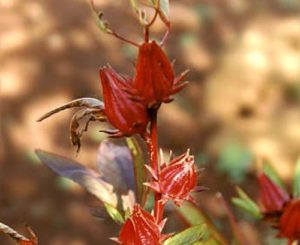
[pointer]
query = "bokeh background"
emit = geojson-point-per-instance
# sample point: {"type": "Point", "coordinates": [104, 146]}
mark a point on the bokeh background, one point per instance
{"type": "Point", "coordinates": [242, 103]}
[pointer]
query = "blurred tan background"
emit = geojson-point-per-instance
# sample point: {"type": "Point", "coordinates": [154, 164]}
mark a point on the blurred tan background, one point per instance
{"type": "Point", "coordinates": [242, 103]}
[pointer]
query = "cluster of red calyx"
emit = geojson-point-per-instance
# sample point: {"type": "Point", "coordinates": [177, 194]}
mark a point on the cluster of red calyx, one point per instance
{"type": "Point", "coordinates": [176, 180]}
{"type": "Point", "coordinates": [129, 104]}
{"type": "Point", "coordinates": [127, 101]}
{"type": "Point", "coordinates": [280, 208]}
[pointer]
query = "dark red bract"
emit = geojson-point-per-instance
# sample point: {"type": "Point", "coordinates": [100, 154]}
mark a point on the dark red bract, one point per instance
{"type": "Point", "coordinates": [289, 226]}
{"type": "Point", "coordinates": [140, 229]}
{"type": "Point", "coordinates": [154, 79]}
{"type": "Point", "coordinates": [126, 115]}
{"type": "Point", "coordinates": [272, 196]}
{"type": "Point", "coordinates": [176, 180]}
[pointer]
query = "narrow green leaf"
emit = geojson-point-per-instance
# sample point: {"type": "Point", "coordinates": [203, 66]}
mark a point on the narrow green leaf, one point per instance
{"type": "Point", "coordinates": [296, 183]}
{"type": "Point", "coordinates": [246, 203]}
{"type": "Point", "coordinates": [193, 215]}
{"type": "Point", "coordinates": [272, 174]}
{"type": "Point", "coordinates": [208, 242]}
{"type": "Point", "coordinates": [189, 236]}
{"type": "Point", "coordinates": [139, 169]}
{"type": "Point", "coordinates": [114, 213]}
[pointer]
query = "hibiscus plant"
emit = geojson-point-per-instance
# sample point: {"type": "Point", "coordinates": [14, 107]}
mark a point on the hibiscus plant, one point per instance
{"type": "Point", "coordinates": [135, 187]}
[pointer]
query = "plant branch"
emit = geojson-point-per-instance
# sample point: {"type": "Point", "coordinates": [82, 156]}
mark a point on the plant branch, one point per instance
{"type": "Point", "coordinates": [236, 231]}
{"type": "Point", "coordinates": [153, 153]}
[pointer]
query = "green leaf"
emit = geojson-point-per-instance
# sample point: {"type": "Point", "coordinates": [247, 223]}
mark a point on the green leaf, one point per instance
{"type": "Point", "coordinates": [235, 161]}
{"type": "Point", "coordinates": [139, 169]}
{"type": "Point", "coordinates": [193, 215]}
{"type": "Point", "coordinates": [208, 242]}
{"type": "Point", "coordinates": [114, 213]}
{"type": "Point", "coordinates": [244, 202]}
{"type": "Point", "coordinates": [296, 182]}
{"type": "Point", "coordinates": [272, 174]}
{"type": "Point", "coordinates": [127, 214]}
{"type": "Point", "coordinates": [189, 236]}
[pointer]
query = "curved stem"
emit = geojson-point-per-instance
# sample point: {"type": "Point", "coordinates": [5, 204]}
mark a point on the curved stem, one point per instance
{"type": "Point", "coordinates": [112, 32]}
{"type": "Point", "coordinates": [117, 35]}
{"type": "Point", "coordinates": [147, 27]}
{"type": "Point", "coordinates": [164, 39]}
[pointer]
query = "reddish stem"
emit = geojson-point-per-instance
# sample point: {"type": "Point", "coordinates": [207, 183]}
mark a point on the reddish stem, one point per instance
{"type": "Point", "coordinates": [235, 227]}
{"type": "Point", "coordinates": [146, 34]}
{"type": "Point", "coordinates": [117, 35]}
{"type": "Point", "coordinates": [164, 39]}
{"type": "Point", "coordinates": [153, 150]}
{"type": "Point", "coordinates": [147, 27]}
{"type": "Point", "coordinates": [153, 141]}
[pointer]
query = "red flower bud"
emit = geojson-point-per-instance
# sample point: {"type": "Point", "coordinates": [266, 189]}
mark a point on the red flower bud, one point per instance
{"type": "Point", "coordinates": [140, 229]}
{"type": "Point", "coordinates": [155, 79]}
{"type": "Point", "coordinates": [289, 226]}
{"type": "Point", "coordinates": [126, 115]}
{"type": "Point", "coordinates": [176, 180]}
{"type": "Point", "coordinates": [272, 196]}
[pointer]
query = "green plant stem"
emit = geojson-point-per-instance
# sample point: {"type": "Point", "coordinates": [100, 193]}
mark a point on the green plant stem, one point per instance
{"type": "Point", "coordinates": [153, 150]}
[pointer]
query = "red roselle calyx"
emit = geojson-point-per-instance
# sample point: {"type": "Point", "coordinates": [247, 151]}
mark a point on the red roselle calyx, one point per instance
{"type": "Point", "coordinates": [126, 115]}
{"type": "Point", "coordinates": [140, 229]}
{"type": "Point", "coordinates": [272, 196]}
{"type": "Point", "coordinates": [289, 225]}
{"type": "Point", "coordinates": [280, 209]}
{"type": "Point", "coordinates": [176, 180]}
{"type": "Point", "coordinates": [154, 79]}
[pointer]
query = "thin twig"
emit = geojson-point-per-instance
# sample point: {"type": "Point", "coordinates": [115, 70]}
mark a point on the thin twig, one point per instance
{"type": "Point", "coordinates": [237, 233]}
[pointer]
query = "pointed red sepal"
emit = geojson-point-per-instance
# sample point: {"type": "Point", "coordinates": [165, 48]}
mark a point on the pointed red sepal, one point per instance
{"type": "Point", "coordinates": [115, 239]}
{"type": "Point", "coordinates": [289, 226]}
{"type": "Point", "coordinates": [154, 79]}
{"type": "Point", "coordinates": [140, 229]}
{"type": "Point", "coordinates": [272, 196]}
{"type": "Point", "coordinates": [162, 224]}
{"type": "Point", "coordinates": [153, 185]}
{"type": "Point", "coordinates": [151, 171]}
{"type": "Point", "coordinates": [127, 116]}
